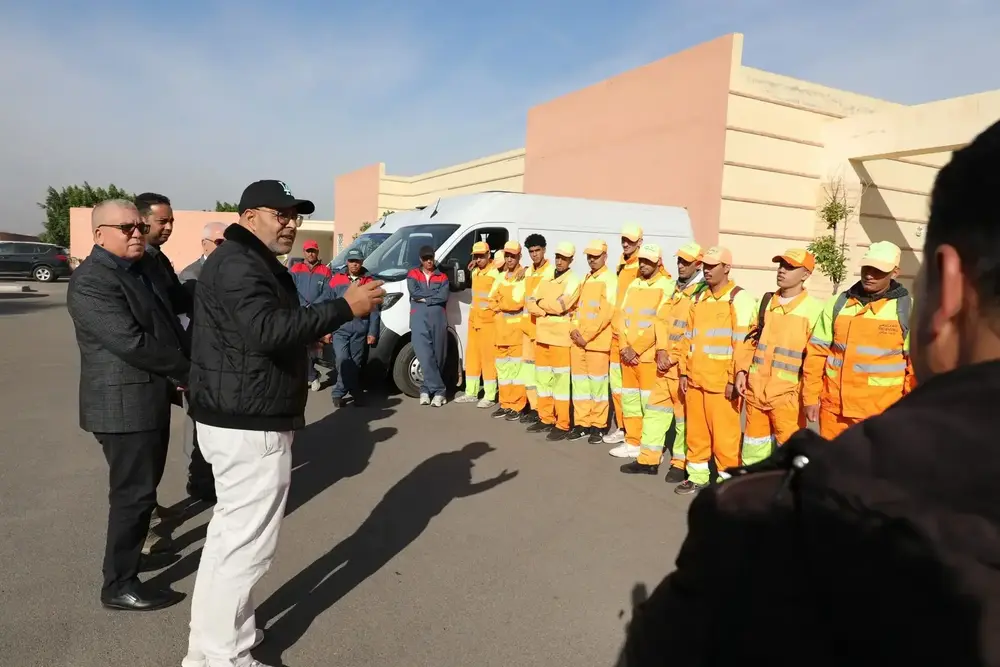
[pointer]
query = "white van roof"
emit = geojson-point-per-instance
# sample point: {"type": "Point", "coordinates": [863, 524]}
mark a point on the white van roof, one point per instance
{"type": "Point", "coordinates": [528, 210]}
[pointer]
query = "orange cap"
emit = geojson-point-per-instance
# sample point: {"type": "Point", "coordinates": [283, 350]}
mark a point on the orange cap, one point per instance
{"type": "Point", "coordinates": [498, 257]}
{"type": "Point", "coordinates": [513, 247]}
{"type": "Point", "coordinates": [480, 248]}
{"type": "Point", "coordinates": [690, 252]}
{"type": "Point", "coordinates": [650, 252]}
{"type": "Point", "coordinates": [797, 257]}
{"type": "Point", "coordinates": [717, 255]}
{"type": "Point", "coordinates": [882, 255]}
{"type": "Point", "coordinates": [566, 249]}
{"type": "Point", "coordinates": [632, 232]}
{"type": "Point", "coordinates": [596, 248]}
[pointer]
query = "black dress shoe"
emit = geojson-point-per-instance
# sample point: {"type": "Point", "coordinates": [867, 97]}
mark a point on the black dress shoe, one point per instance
{"type": "Point", "coordinates": [157, 561]}
{"type": "Point", "coordinates": [140, 599]}
{"type": "Point", "coordinates": [577, 433]}
{"type": "Point", "coordinates": [539, 427]}
{"type": "Point", "coordinates": [557, 434]}
{"type": "Point", "coordinates": [596, 437]}
{"type": "Point", "coordinates": [636, 468]}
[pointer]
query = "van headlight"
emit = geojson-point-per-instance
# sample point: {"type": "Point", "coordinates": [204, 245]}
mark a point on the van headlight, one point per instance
{"type": "Point", "coordinates": [390, 299]}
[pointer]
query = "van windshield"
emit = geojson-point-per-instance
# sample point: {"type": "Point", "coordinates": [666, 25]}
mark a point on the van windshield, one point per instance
{"type": "Point", "coordinates": [366, 243]}
{"type": "Point", "coordinates": [401, 252]}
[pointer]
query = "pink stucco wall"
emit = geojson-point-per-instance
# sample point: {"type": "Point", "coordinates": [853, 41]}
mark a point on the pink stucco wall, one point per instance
{"type": "Point", "coordinates": [655, 135]}
{"type": "Point", "coordinates": [355, 199]}
{"type": "Point", "coordinates": [183, 247]}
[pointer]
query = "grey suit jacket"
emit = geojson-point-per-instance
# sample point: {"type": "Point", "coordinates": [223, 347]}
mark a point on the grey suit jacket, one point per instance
{"type": "Point", "coordinates": [192, 271]}
{"type": "Point", "coordinates": [132, 350]}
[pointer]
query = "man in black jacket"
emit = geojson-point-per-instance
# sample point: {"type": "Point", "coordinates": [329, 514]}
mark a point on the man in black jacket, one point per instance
{"type": "Point", "coordinates": [133, 358]}
{"type": "Point", "coordinates": [248, 397]}
{"type": "Point", "coordinates": [880, 547]}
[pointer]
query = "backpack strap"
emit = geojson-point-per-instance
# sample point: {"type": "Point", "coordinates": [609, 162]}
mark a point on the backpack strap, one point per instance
{"type": "Point", "coordinates": [755, 335]}
{"type": "Point", "coordinates": [838, 306]}
{"type": "Point", "coordinates": [904, 306]}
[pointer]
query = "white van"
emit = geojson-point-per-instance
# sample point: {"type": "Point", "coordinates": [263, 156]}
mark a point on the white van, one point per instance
{"type": "Point", "coordinates": [370, 239]}
{"type": "Point", "coordinates": [452, 225]}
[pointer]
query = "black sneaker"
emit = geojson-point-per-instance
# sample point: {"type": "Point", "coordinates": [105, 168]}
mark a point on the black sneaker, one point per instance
{"type": "Point", "coordinates": [687, 487]}
{"type": "Point", "coordinates": [539, 427]}
{"type": "Point", "coordinates": [576, 433]}
{"type": "Point", "coordinates": [675, 475]}
{"type": "Point", "coordinates": [530, 417]}
{"type": "Point", "coordinates": [557, 434]}
{"type": "Point", "coordinates": [500, 413]}
{"type": "Point", "coordinates": [596, 437]}
{"type": "Point", "coordinates": [513, 416]}
{"type": "Point", "coordinates": [636, 468]}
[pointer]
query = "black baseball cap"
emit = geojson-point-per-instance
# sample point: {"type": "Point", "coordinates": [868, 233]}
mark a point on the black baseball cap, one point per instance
{"type": "Point", "coordinates": [273, 194]}
{"type": "Point", "coordinates": [426, 252]}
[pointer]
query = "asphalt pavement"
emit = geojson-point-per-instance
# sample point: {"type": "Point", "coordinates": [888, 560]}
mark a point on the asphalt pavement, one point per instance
{"type": "Point", "coordinates": [415, 536]}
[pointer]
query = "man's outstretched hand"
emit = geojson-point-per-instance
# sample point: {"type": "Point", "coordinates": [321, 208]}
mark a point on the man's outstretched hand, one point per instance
{"type": "Point", "coordinates": [364, 298]}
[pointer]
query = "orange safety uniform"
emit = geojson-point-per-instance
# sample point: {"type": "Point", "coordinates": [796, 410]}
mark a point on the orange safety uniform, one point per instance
{"type": "Point", "coordinates": [533, 277]}
{"type": "Point", "coordinates": [480, 350]}
{"type": "Point", "coordinates": [772, 358]}
{"type": "Point", "coordinates": [555, 301]}
{"type": "Point", "coordinates": [634, 325]}
{"type": "Point", "coordinates": [628, 271]}
{"type": "Point", "coordinates": [667, 390]}
{"type": "Point", "coordinates": [716, 323]}
{"type": "Point", "coordinates": [858, 358]}
{"type": "Point", "coordinates": [590, 364]}
{"type": "Point", "coordinates": [507, 301]}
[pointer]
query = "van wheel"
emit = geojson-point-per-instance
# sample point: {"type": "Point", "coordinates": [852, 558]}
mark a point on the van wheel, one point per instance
{"type": "Point", "coordinates": [406, 372]}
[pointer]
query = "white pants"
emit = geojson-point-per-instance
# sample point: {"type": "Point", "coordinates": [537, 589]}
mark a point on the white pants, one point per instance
{"type": "Point", "coordinates": [252, 472]}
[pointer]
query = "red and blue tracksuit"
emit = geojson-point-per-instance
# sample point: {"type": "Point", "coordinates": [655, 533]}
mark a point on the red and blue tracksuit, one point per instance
{"type": "Point", "coordinates": [310, 281]}
{"type": "Point", "coordinates": [350, 340]}
{"type": "Point", "coordinates": [429, 326]}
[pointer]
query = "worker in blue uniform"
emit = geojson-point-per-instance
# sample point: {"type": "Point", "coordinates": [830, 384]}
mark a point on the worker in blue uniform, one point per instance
{"type": "Point", "coordinates": [351, 339]}
{"type": "Point", "coordinates": [429, 324]}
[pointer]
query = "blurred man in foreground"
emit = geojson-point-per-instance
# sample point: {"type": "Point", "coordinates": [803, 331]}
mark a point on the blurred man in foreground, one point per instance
{"type": "Point", "coordinates": [880, 547]}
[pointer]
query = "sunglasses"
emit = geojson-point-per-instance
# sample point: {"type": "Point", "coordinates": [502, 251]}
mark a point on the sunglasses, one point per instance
{"type": "Point", "coordinates": [130, 227]}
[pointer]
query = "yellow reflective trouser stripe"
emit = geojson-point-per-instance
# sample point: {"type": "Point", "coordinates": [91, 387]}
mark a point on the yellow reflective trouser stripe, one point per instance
{"type": "Point", "coordinates": [756, 450]}
{"type": "Point", "coordinates": [543, 380]}
{"type": "Point", "coordinates": [698, 473]}
{"type": "Point", "coordinates": [656, 420]}
{"type": "Point", "coordinates": [526, 374]}
{"type": "Point", "coordinates": [633, 401]}
{"type": "Point", "coordinates": [562, 386]}
{"type": "Point", "coordinates": [679, 451]}
{"type": "Point", "coordinates": [590, 388]}
{"type": "Point", "coordinates": [472, 385]}
{"type": "Point", "coordinates": [615, 377]}
{"type": "Point", "coordinates": [508, 371]}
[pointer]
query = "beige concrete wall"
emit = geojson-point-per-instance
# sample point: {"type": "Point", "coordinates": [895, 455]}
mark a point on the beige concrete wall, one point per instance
{"type": "Point", "coordinates": [503, 171]}
{"type": "Point", "coordinates": [775, 168]}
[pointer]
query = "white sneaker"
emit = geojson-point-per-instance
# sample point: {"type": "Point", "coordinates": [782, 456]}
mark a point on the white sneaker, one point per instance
{"type": "Point", "coordinates": [615, 437]}
{"type": "Point", "coordinates": [625, 451]}
{"type": "Point", "coordinates": [196, 659]}
{"type": "Point", "coordinates": [425, 399]}
{"type": "Point", "coordinates": [314, 385]}
{"type": "Point", "coordinates": [438, 401]}
{"type": "Point", "coordinates": [465, 398]}
{"type": "Point", "coordinates": [485, 403]}
{"type": "Point", "coordinates": [258, 639]}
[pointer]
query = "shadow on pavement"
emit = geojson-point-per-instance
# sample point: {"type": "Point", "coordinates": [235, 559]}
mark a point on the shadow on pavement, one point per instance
{"type": "Point", "coordinates": [337, 446]}
{"type": "Point", "coordinates": [16, 304]}
{"type": "Point", "coordinates": [399, 518]}
{"type": "Point", "coordinates": [639, 595]}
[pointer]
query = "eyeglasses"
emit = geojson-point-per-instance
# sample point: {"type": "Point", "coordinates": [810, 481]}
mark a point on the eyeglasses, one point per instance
{"type": "Point", "coordinates": [130, 227]}
{"type": "Point", "coordinates": [216, 242]}
{"type": "Point", "coordinates": [284, 217]}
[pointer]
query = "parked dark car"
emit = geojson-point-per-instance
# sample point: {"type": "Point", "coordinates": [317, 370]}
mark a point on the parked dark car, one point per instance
{"type": "Point", "coordinates": [43, 262]}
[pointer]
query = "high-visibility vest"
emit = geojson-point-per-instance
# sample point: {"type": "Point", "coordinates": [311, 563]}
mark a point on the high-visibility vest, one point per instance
{"type": "Point", "coordinates": [507, 301]}
{"type": "Point", "coordinates": [596, 309]}
{"type": "Point", "coordinates": [628, 271]}
{"type": "Point", "coordinates": [670, 338]}
{"type": "Point", "coordinates": [636, 319]}
{"type": "Point", "coordinates": [532, 279]}
{"type": "Point", "coordinates": [481, 315]}
{"type": "Point", "coordinates": [716, 324]}
{"type": "Point", "coordinates": [858, 358]}
{"type": "Point", "coordinates": [555, 329]}
{"type": "Point", "coordinates": [774, 362]}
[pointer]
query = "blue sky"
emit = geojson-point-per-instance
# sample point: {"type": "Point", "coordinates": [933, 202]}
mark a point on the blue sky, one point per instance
{"type": "Point", "coordinates": [196, 99]}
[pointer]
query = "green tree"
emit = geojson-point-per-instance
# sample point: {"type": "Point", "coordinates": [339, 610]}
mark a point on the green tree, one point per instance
{"type": "Point", "coordinates": [365, 226]}
{"type": "Point", "coordinates": [226, 207]}
{"type": "Point", "coordinates": [831, 249]}
{"type": "Point", "coordinates": [58, 203]}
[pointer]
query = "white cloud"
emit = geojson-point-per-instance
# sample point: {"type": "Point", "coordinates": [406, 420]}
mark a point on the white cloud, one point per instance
{"type": "Point", "coordinates": [197, 111]}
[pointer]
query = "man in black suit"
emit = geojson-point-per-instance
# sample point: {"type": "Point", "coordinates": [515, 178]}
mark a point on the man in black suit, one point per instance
{"type": "Point", "coordinates": [133, 359]}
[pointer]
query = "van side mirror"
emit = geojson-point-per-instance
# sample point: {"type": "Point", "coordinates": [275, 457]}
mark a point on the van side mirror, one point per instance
{"type": "Point", "coordinates": [457, 275]}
